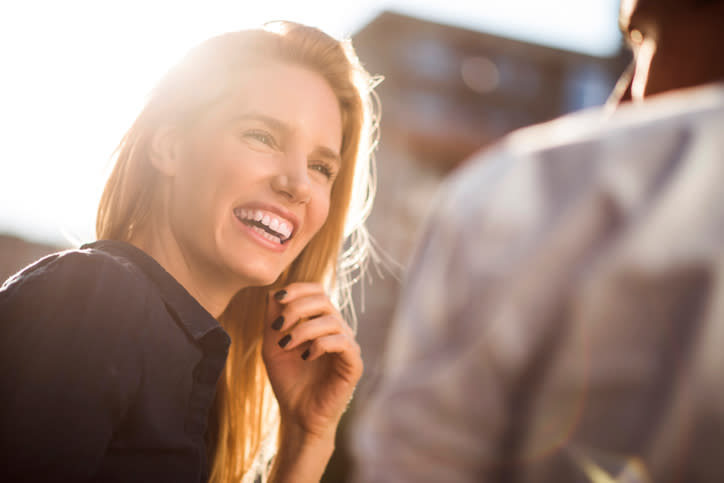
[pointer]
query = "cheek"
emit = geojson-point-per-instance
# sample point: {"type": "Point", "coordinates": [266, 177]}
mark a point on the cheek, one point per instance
{"type": "Point", "coordinates": [319, 210]}
{"type": "Point", "coordinates": [214, 163]}
{"type": "Point", "coordinates": [202, 191]}
{"type": "Point", "coordinates": [218, 171]}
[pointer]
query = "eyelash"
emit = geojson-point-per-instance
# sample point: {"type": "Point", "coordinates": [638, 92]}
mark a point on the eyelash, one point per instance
{"type": "Point", "coordinates": [261, 136]}
{"type": "Point", "coordinates": [324, 168]}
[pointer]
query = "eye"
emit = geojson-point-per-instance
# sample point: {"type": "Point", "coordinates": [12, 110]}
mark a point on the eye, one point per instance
{"type": "Point", "coordinates": [326, 169]}
{"type": "Point", "coordinates": [261, 136]}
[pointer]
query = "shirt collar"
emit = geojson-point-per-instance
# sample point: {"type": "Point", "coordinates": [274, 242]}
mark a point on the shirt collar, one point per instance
{"type": "Point", "coordinates": [195, 319]}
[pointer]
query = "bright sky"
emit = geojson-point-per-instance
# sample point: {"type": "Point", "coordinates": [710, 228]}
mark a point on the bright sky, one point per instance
{"type": "Point", "coordinates": [75, 73]}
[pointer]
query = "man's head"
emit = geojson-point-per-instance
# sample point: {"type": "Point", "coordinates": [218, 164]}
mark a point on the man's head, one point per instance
{"type": "Point", "coordinates": [676, 43]}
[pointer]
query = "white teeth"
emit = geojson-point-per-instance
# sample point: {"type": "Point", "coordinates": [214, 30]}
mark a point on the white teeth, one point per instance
{"type": "Point", "coordinates": [275, 224]}
{"type": "Point", "coordinates": [285, 229]}
{"type": "Point", "coordinates": [266, 234]}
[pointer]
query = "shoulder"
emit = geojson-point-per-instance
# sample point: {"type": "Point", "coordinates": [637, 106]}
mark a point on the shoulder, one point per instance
{"type": "Point", "coordinates": [541, 171]}
{"type": "Point", "coordinates": [75, 286]}
{"type": "Point", "coordinates": [566, 184]}
{"type": "Point", "coordinates": [74, 268]}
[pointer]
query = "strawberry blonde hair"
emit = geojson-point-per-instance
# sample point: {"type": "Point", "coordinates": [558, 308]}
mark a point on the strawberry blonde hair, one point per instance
{"type": "Point", "coordinates": [245, 412]}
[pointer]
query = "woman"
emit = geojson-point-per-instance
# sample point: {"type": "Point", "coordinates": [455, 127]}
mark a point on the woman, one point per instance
{"type": "Point", "coordinates": [198, 331]}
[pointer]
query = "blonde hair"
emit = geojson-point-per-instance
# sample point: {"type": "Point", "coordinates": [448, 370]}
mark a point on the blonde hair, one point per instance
{"type": "Point", "coordinates": [244, 416]}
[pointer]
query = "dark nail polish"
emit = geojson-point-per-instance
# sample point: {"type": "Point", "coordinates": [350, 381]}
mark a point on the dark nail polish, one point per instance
{"type": "Point", "coordinates": [280, 295]}
{"type": "Point", "coordinates": [305, 354]}
{"type": "Point", "coordinates": [285, 340]}
{"type": "Point", "coordinates": [277, 324]}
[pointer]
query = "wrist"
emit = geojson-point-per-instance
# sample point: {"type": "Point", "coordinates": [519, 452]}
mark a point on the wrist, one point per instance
{"type": "Point", "coordinates": [302, 456]}
{"type": "Point", "coordinates": [303, 434]}
{"type": "Point", "coordinates": [295, 442]}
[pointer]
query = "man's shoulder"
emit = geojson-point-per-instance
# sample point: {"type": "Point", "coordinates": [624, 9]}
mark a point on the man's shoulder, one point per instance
{"type": "Point", "coordinates": [686, 108]}
{"type": "Point", "coordinates": [540, 168]}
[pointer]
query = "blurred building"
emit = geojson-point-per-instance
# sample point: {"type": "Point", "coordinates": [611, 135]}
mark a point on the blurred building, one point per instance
{"type": "Point", "coordinates": [448, 92]}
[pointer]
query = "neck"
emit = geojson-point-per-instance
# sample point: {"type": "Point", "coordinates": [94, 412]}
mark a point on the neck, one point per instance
{"type": "Point", "coordinates": [212, 291]}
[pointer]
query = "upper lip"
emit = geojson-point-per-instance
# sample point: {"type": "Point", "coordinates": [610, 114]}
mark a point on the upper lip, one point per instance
{"type": "Point", "coordinates": [280, 212]}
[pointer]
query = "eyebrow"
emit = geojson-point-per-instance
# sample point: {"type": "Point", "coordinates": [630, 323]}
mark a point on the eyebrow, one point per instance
{"type": "Point", "coordinates": [330, 154]}
{"type": "Point", "coordinates": [272, 122]}
{"type": "Point", "coordinates": [285, 129]}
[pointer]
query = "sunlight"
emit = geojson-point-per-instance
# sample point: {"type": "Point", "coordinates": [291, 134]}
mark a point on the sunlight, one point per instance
{"type": "Point", "coordinates": [76, 74]}
{"type": "Point", "coordinates": [78, 85]}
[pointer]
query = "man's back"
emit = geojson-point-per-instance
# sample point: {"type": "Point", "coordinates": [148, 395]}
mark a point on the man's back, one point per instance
{"type": "Point", "coordinates": [563, 313]}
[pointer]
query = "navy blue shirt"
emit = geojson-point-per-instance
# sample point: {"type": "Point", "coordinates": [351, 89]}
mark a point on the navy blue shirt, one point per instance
{"type": "Point", "coordinates": [108, 370]}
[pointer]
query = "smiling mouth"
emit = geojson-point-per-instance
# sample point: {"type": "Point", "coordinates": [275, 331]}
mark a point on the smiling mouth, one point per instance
{"type": "Point", "coordinates": [268, 225]}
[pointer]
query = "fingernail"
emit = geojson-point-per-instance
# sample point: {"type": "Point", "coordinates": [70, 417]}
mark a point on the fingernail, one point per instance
{"type": "Point", "coordinates": [280, 295]}
{"type": "Point", "coordinates": [285, 340]}
{"type": "Point", "coordinates": [305, 354]}
{"type": "Point", "coordinates": [277, 324]}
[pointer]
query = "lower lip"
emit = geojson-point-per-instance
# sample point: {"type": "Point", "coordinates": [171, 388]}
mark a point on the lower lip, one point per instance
{"type": "Point", "coordinates": [273, 246]}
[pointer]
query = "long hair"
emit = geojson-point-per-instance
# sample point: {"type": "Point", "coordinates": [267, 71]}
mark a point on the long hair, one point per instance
{"type": "Point", "coordinates": [245, 413]}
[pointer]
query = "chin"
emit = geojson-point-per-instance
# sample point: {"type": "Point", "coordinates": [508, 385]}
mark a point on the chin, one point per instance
{"type": "Point", "coordinates": [254, 276]}
{"type": "Point", "coordinates": [261, 281]}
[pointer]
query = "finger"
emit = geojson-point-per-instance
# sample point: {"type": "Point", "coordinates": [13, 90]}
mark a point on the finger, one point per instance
{"type": "Point", "coordinates": [273, 307]}
{"type": "Point", "coordinates": [340, 344]}
{"type": "Point", "coordinates": [280, 299]}
{"type": "Point", "coordinates": [311, 330]}
{"type": "Point", "coordinates": [309, 307]}
{"type": "Point", "coordinates": [297, 289]}
{"type": "Point", "coordinates": [300, 301]}
{"type": "Point", "coordinates": [306, 308]}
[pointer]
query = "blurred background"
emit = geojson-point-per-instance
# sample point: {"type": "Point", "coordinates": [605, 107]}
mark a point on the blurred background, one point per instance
{"type": "Point", "coordinates": [458, 75]}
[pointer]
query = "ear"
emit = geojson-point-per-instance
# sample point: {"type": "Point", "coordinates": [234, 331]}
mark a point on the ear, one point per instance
{"type": "Point", "coordinates": [165, 150]}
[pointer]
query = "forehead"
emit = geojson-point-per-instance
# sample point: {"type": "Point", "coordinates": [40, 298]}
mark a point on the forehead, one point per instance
{"type": "Point", "coordinates": [270, 79]}
{"type": "Point", "coordinates": [298, 97]}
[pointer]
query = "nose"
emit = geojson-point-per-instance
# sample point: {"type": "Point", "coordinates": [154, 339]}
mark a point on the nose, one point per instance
{"type": "Point", "coordinates": [293, 182]}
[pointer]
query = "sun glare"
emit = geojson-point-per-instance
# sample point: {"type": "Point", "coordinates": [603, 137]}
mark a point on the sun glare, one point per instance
{"type": "Point", "coordinates": [78, 78]}
{"type": "Point", "coordinates": [75, 74]}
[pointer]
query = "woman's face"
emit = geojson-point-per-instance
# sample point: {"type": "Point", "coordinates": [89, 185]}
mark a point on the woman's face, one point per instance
{"type": "Point", "coordinates": [255, 174]}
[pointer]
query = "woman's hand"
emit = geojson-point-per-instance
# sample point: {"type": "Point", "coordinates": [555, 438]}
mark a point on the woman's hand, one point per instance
{"type": "Point", "coordinates": [312, 359]}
